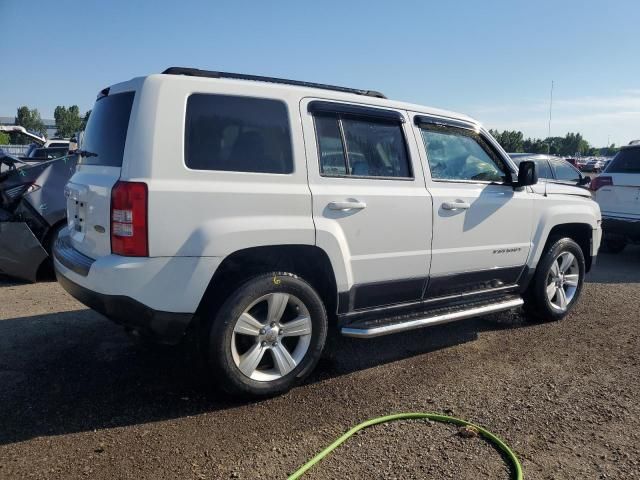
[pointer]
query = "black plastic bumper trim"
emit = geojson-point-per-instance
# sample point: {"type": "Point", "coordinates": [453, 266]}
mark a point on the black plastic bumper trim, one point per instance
{"type": "Point", "coordinates": [163, 327]}
{"type": "Point", "coordinates": [71, 258]}
{"type": "Point", "coordinates": [621, 226]}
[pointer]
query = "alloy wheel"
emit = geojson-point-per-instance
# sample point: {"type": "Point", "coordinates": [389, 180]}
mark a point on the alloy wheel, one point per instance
{"type": "Point", "coordinates": [562, 281]}
{"type": "Point", "coordinates": [271, 337]}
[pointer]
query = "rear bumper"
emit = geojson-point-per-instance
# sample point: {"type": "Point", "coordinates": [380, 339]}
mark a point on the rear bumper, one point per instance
{"type": "Point", "coordinates": [156, 295]}
{"type": "Point", "coordinates": [21, 253]}
{"type": "Point", "coordinates": [164, 327]}
{"type": "Point", "coordinates": [625, 226]}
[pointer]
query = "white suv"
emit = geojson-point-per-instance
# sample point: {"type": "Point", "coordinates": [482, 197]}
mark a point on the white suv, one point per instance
{"type": "Point", "coordinates": [617, 191]}
{"type": "Point", "coordinates": [254, 214]}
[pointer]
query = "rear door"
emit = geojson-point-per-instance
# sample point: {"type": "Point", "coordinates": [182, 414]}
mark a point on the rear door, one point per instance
{"type": "Point", "coordinates": [89, 190]}
{"type": "Point", "coordinates": [370, 204]}
{"type": "Point", "coordinates": [623, 197]}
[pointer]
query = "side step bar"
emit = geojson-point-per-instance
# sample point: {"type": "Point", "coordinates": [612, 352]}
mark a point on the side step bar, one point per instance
{"type": "Point", "coordinates": [378, 331]}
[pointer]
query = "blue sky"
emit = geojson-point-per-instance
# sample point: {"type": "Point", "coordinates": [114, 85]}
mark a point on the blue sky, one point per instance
{"type": "Point", "coordinates": [493, 60]}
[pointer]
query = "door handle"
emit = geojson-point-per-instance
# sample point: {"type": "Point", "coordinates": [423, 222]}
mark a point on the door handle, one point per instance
{"type": "Point", "coordinates": [348, 205]}
{"type": "Point", "coordinates": [457, 205]}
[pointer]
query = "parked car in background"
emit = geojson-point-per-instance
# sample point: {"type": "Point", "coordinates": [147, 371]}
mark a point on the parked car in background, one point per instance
{"type": "Point", "coordinates": [32, 211]}
{"type": "Point", "coordinates": [52, 148]}
{"type": "Point", "coordinates": [256, 213]}
{"type": "Point", "coordinates": [34, 137]}
{"type": "Point", "coordinates": [553, 169]}
{"type": "Point", "coordinates": [617, 191]}
{"type": "Point", "coordinates": [594, 165]}
{"type": "Point", "coordinates": [40, 154]}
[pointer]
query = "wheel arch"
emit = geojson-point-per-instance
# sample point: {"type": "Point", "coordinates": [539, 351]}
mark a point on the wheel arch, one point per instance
{"type": "Point", "coordinates": [309, 262]}
{"type": "Point", "coordinates": [581, 233]}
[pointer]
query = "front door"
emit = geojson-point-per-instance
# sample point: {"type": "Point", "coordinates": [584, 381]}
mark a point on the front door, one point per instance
{"type": "Point", "coordinates": [482, 227]}
{"type": "Point", "coordinates": [371, 208]}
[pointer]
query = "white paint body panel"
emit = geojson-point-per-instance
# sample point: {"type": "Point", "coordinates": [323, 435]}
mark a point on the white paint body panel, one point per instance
{"type": "Point", "coordinates": [622, 199]}
{"type": "Point", "coordinates": [390, 239]}
{"type": "Point", "coordinates": [468, 240]}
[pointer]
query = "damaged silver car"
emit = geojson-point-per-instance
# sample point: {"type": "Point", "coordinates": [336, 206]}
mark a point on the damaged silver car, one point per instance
{"type": "Point", "coordinates": [32, 211]}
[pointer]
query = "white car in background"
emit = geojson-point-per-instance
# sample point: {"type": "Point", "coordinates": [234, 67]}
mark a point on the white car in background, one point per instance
{"type": "Point", "coordinates": [617, 191]}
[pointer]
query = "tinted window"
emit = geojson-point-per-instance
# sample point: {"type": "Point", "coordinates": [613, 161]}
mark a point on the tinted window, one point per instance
{"type": "Point", "coordinates": [49, 153]}
{"type": "Point", "coordinates": [565, 172]}
{"type": "Point", "coordinates": [238, 134]}
{"type": "Point", "coordinates": [373, 148]}
{"type": "Point", "coordinates": [54, 145]}
{"type": "Point", "coordinates": [106, 132]}
{"type": "Point", "coordinates": [544, 170]}
{"type": "Point", "coordinates": [332, 158]}
{"type": "Point", "coordinates": [456, 154]}
{"type": "Point", "coordinates": [626, 161]}
{"type": "Point", "coordinates": [542, 165]}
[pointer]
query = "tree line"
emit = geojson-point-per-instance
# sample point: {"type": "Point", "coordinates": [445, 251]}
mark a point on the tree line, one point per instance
{"type": "Point", "coordinates": [572, 144]}
{"type": "Point", "coordinates": [68, 120]}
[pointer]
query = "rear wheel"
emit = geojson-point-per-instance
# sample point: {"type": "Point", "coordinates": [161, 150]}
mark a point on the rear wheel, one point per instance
{"type": "Point", "coordinates": [558, 281]}
{"type": "Point", "coordinates": [266, 337]}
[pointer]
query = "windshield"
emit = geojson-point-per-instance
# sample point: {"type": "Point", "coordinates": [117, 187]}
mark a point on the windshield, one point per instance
{"type": "Point", "coordinates": [626, 161]}
{"type": "Point", "coordinates": [106, 131]}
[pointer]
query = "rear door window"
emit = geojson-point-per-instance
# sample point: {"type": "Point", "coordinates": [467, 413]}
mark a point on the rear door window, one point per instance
{"type": "Point", "coordinates": [626, 161]}
{"type": "Point", "coordinates": [361, 147]}
{"type": "Point", "coordinates": [106, 131]}
{"type": "Point", "coordinates": [239, 134]}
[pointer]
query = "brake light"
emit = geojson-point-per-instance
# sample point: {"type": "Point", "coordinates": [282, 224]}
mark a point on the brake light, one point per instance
{"type": "Point", "coordinates": [129, 219]}
{"type": "Point", "coordinates": [599, 182]}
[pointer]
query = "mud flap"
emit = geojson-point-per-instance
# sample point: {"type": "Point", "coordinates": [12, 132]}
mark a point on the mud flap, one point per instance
{"type": "Point", "coordinates": [21, 254]}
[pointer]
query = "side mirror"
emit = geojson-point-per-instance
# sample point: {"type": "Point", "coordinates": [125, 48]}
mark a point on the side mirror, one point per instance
{"type": "Point", "coordinates": [527, 174]}
{"type": "Point", "coordinates": [584, 181]}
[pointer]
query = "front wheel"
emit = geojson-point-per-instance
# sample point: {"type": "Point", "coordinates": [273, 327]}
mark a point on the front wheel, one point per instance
{"type": "Point", "coordinates": [558, 281]}
{"type": "Point", "coordinates": [267, 336]}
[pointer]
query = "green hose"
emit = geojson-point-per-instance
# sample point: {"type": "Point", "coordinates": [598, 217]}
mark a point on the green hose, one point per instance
{"type": "Point", "coordinates": [503, 447]}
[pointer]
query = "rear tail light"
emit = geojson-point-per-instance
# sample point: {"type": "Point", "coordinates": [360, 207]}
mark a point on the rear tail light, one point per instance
{"type": "Point", "coordinates": [599, 182]}
{"type": "Point", "coordinates": [129, 235]}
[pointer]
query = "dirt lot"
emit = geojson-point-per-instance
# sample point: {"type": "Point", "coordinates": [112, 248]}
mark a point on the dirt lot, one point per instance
{"type": "Point", "coordinates": [79, 399]}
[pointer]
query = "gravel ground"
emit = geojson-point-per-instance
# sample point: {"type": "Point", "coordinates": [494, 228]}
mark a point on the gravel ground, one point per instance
{"type": "Point", "coordinates": [79, 399]}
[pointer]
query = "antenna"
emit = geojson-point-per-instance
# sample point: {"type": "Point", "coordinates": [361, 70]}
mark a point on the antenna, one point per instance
{"type": "Point", "coordinates": [550, 109]}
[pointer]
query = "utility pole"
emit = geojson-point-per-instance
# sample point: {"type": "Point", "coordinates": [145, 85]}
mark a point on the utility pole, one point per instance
{"type": "Point", "coordinates": [550, 109]}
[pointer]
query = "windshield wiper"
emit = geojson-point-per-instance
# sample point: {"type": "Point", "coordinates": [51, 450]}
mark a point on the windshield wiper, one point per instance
{"type": "Point", "coordinates": [86, 153]}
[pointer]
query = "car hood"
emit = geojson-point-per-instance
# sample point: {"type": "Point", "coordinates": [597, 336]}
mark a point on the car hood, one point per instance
{"type": "Point", "coordinates": [551, 188]}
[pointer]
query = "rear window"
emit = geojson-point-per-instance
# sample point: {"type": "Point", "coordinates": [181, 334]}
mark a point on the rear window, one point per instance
{"type": "Point", "coordinates": [239, 134]}
{"type": "Point", "coordinates": [106, 132]}
{"type": "Point", "coordinates": [626, 161]}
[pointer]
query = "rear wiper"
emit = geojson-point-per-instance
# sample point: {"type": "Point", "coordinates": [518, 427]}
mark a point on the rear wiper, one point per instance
{"type": "Point", "coordinates": [86, 153]}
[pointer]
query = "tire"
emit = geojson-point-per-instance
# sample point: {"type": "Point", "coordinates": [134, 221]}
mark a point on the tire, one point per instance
{"type": "Point", "coordinates": [256, 321]}
{"type": "Point", "coordinates": [614, 244]}
{"type": "Point", "coordinates": [542, 302]}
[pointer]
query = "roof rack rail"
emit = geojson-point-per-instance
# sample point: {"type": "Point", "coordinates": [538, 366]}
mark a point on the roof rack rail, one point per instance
{"type": "Point", "coordinates": [195, 72]}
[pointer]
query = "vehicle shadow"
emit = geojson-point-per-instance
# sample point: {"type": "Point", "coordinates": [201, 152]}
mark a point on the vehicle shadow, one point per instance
{"type": "Point", "coordinates": [621, 267]}
{"type": "Point", "coordinates": [76, 371]}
